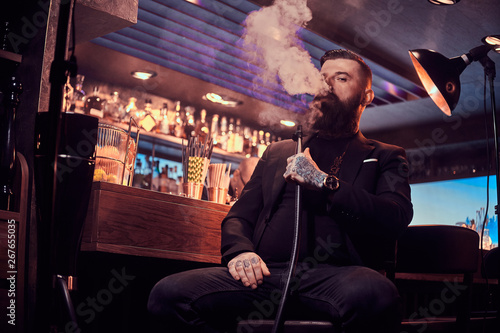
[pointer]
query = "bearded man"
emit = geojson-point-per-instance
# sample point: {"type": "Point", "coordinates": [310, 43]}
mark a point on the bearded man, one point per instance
{"type": "Point", "coordinates": [356, 201]}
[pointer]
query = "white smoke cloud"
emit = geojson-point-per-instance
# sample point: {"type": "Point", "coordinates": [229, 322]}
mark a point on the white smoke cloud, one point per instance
{"type": "Point", "coordinates": [272, 34]}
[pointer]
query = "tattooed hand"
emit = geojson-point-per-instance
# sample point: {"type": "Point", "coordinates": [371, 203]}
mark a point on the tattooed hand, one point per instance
{"type": "Point", "coordinates": [302, 170]}
{"type": "Point", "coordinates": [249, 268]}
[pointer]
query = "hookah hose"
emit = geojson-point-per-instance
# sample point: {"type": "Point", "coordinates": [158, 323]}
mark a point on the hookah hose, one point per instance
{"type": "Point", "coordinates": [279, 321]}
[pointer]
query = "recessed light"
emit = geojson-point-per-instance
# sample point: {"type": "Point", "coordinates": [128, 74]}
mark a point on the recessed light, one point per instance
{"type": "Point", "coordinates": [143, 75]}
{"type": "Point", "coordinates": [219, 99]}
{"type": "Point", "coordinates": [287, 123]}
{"type": "Point", "coordinates": [443, 2]}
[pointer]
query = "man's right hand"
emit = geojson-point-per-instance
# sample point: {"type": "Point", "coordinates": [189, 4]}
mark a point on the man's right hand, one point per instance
{"type": "Point", "coordinates": [249, 268]}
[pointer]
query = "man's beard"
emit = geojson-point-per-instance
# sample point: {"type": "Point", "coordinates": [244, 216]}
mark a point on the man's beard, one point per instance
{"type": "Point", "coordinates": [333, 117]}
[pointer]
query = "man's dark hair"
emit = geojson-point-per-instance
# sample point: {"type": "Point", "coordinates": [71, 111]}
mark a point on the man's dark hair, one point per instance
{"type": "Point", "coordinates": [346, 54]}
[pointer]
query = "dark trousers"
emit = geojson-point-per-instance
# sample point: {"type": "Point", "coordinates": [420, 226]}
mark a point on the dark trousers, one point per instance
{"type": "Point", "coordinates": [356, 299]}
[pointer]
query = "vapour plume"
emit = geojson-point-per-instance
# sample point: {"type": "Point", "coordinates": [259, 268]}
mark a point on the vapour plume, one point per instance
{"type": "Point", "coordinates": [271, 33]}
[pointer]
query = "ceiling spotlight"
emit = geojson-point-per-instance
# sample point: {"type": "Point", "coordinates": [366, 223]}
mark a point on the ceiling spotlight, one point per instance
{"type": "Point", "coordinates": [226, 101]}
{"type": "Point", "coordinates": [143, 75]}
{"type": "Point", "coordinates": [287, 123]}
{"type": "Point", "coordinates": [493, 40]}
{"type": "Point", "coordinates": [444, 2]}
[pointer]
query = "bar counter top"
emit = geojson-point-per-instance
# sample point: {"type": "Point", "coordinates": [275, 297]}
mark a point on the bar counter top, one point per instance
{"type": "Point", "coordinates": [134, 221]}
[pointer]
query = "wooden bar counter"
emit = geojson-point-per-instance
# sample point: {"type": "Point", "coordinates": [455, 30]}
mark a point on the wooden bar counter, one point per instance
{"type": "Point", "coordinates": [133, 221]}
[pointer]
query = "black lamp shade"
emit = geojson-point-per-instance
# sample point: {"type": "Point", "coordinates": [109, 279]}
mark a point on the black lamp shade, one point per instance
{"type": "Point", "coordinates": [440, 77]}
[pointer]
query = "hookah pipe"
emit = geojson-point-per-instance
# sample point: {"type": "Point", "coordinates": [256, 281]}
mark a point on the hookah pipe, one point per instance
{"type": "Point", "coordinates": [279, 321]}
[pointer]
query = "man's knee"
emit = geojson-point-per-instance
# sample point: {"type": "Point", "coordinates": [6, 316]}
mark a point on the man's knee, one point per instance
{"type": "Point", "coordinates": [374, 292]}
{"type": "Point", "coordinates": [373, 305]}
{"type": "Point", "coordinates": [159, 298]}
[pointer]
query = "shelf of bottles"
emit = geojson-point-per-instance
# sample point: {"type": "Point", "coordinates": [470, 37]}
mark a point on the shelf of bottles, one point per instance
{"type": "Point", "coordinates": [163, 131]}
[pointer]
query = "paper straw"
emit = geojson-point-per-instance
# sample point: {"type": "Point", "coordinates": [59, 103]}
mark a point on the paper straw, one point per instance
{"type": "Point", "coordinates": [219, 175]}
{"type": "Point", "coordinates": [196, 159]}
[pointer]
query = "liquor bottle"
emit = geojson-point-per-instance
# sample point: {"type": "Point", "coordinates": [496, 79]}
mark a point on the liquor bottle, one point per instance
{"type": "Point", "coordinates": [247, 141]}
{"type": "Point", "coordinates": [189, 126]}
{"type": "Point", "coordinates": [172, 183]}
{"type": "Point", "coordinates": [139, 114]}
{"type": "Point", "coordinates": [94, 104]}
{"type": "Point", "coordinates": [8, 144]}
{"type": "Point", "coordinates": [230, 136]}
{"type": "Point", "coordinates": [164, 124]}
{"type": "Point", "coordinates": [177, 181]}
{"type": "Point", "coordinates": [158, 118]}
{"type": "Point", "coordinates": [179, 121]}
{"type": "Point", "coordinates": [222, 140]}
{"type": "Point", "coordinates": [214, 129]}
{"type": "Point", "coordinates": [164, 179]}
{"type": "Point", "coordinates": [130, 109]}
{"type": "Point", "coordinates": [147, 180]}
{"type": "Point", "coordinates": [148, 106]}
{"type": "Point", "coordinates": [156, 174]}
{"type": "Point", "coordinates": [113, 107]}
{"type": "Point", "coordinates": [238, 137]}
{"type": "Point", "coordinates": [79, 96]}
{"type": "Point", "coordinates": [138, 174]}
{"type": "Point", "coordinates": [255, 142]}
{"type": "Point", "coordinates": [179, 125]}
{"type": "Point", "coordinates": [171, 120]}
{"type": "Point", "coordinates": [145, 115]}
{"type": "Point", "coordinates": [202, 130]}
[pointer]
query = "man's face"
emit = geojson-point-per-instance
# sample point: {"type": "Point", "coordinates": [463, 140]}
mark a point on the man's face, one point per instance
{"type": "Point", "coordinates": [336, 112]}
{"type": "Point", "coordinates": [344, 77]}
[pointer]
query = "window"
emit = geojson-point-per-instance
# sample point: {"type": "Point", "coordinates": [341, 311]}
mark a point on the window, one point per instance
{"type": "Point", "coordinates": [457, 202]}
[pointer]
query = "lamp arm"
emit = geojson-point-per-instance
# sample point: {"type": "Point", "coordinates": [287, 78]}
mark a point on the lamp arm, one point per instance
{"type": "Point", "coordinates": [497, 152]}
{"type": "Point", "coordinates": [478, 53]}
{"type": "Point", "coordinates": [489, 67]}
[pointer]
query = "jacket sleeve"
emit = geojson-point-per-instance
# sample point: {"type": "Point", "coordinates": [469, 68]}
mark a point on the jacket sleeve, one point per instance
{"type": "Point", "coordinates": [387, 210]}
{"type": "Point", "coordinates": [238, 226]}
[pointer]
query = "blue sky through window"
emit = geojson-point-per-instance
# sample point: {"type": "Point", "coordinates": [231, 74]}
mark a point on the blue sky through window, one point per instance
{"type": "Point", "coordinates": [454, 201]}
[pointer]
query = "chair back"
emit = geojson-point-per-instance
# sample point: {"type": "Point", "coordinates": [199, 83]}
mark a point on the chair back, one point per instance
{"type": "Point", "coordinates": [437, 249]}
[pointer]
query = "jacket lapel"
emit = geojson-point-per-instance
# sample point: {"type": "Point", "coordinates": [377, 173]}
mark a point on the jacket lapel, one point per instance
{"type": "Point", "coordinates": [358, 150]}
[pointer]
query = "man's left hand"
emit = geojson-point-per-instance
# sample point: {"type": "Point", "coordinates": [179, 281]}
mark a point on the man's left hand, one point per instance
{"type": "Point", "coordinates": [301, 169]}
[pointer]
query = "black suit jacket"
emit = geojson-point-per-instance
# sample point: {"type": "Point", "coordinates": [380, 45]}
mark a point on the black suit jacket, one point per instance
{"type": "Point", "coordinates": [372, 205]}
